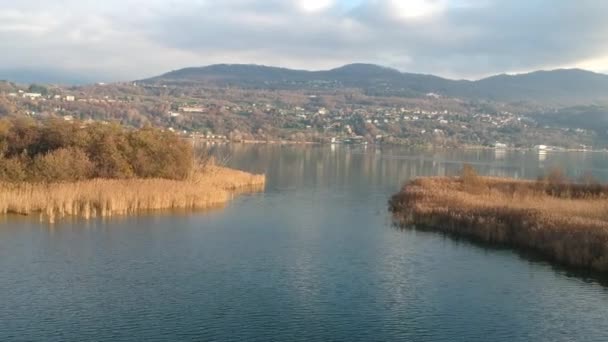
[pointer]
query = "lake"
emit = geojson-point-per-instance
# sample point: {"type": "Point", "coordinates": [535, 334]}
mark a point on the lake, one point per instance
{"type": "Point", "coordinates": [313, 258]}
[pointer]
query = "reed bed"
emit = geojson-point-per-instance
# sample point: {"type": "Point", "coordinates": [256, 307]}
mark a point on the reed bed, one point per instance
{"type": "Point", "coordinates": [109, 197]}
{"type": "Point", "coordinates": [565, 222]}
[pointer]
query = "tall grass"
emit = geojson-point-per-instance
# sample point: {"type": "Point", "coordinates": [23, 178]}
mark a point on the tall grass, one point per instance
{"type": "Point", "coordinates": [564, 221]}
{"type": "Point", "coordinates": [206, 188]}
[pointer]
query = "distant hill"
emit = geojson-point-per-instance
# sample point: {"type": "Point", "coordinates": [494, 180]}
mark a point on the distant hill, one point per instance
{"type": "Point", "coordinates": [594, 118]}
{"type": "Point", "coordinates": [563, 86]}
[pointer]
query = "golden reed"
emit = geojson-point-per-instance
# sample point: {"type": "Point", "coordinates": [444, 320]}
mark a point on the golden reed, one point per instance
{"type": "Point", "coordinates": [108, 197]}
{"type": "Point", "coordinates": [569, 226]}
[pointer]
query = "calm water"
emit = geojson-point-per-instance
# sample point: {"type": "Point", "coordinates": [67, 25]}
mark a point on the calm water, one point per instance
{"type": "Point", "coordinates": [314, 258]}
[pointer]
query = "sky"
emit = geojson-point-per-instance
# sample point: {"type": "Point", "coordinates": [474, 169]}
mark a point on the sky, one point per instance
{"type": "Point", "coordinates": [114, 40]}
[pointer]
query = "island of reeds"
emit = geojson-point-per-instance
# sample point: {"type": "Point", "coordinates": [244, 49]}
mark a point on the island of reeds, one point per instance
{"type": "Point", "coordinates": [564, 221]}
{"type": "Point", "coordinates": [55, 169]}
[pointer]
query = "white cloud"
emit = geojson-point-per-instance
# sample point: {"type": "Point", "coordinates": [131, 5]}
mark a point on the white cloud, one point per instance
{"type": "Point", "coordinates": [21, 22]}
{"type": "Point", "coordinates": [314, 5]}
{"type": "Point", "coordinates": [599, 64]}
{"type": "Point", "coordinates": [417, 9]}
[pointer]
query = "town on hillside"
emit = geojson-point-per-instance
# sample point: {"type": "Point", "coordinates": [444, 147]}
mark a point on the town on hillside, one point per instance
{"type": "Point", "coordinates": [339, 116]}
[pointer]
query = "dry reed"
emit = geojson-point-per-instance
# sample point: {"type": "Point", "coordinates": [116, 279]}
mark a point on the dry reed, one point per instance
{"type": "Point", "coordinates": [108, 197]}
{"type": "Point", "coordinates": [567, 222]}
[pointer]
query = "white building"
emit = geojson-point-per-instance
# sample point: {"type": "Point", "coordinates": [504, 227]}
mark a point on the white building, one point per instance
{"type": "Point", "coordinates": [196, 109]}
{"type": "Point", "coordinates": [32, 95]}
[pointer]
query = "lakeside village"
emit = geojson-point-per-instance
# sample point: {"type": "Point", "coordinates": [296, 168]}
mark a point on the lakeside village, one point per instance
{"type": "Point", "coordinates": [422, 125]}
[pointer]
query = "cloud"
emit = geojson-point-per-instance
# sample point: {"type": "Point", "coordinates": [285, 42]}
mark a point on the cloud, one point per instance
{"type": "Point", "coordinates": [415, 9]}
{"type": "Point", "coordinates": [129, 39]}
{"type": "Point", "coordinates": [314, 5]}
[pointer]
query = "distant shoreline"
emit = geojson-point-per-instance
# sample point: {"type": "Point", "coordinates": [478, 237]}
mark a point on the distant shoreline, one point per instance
{"type": "Point", "coordinates": [466, 147]}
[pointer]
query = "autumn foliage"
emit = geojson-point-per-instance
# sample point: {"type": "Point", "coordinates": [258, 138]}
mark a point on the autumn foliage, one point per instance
{"type": "Point", "coordinates": [206, 188]}
{"type": "Point", "coordinates": [60, 151]}
{"type": "Point", "coordinates": [58, 169]}
{"type": "Point", "coordinates": [566, 221]}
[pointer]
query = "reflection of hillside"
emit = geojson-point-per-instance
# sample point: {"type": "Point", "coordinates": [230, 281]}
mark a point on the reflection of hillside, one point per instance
{"type": "Point", "coordinates": [354, 168]}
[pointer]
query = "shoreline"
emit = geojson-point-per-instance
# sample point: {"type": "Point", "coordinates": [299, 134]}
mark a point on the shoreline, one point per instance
{"type": "Point", "coordinates": [87, 199]}
{"type": "Point", "coordinates": [419, 147]}
{"type": "Point", "coordinates": [568, 226]}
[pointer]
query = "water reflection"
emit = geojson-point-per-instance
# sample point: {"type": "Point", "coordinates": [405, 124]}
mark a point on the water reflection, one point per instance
{"type": "Point", "coordinates": [542, 157]}
{"type": "Point", "coordinates": [299, 166]}
{"type": "Point", "coordinates": [530, 256]}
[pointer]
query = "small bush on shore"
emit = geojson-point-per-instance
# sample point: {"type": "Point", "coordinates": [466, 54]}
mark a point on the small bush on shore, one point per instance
{"type": "Point", "coordinates": [61, 165]}
{"type": "Point", "coordinates": [13, 169]}
{"type": "Point", "coordinates": [471, 179]}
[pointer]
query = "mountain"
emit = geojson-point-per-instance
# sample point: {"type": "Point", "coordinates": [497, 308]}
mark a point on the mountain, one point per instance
{"type": "Point", "coordinates": [227, 73]}
{"type": "Point", "coordinates": [352, 75]}
{"type": "Point", "coordinates": [575, 84]}
{"type": "Point", "coordinates": [594, 118]}
{"type": "Point", "coordinates": [562, 86]}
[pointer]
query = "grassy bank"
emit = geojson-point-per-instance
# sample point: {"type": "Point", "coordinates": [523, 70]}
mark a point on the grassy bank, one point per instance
{"type": "Point", "coordinates": [56, 169]}
{"type": "Point", "coordinates": [110, 197]}
{"type": "Point", "coordinates": [565, 222]}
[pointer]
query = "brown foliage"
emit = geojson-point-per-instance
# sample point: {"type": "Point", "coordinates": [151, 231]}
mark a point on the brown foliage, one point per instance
{"type": "Point", "coordinates": [21, 137]}
{"type": "Point", "coordinates": [62, 165]}
{"type": "Point", "coordinates": [159, 154]}
{"type": "Point", "coordinates": [56, 150]}
{"type": "Point", "coordinates": [14, 169]}
{"type": "Point", "coordinates": [110, 197]}
{"type": "Point", "coordinates": [470, 179]}
{"type": "Point", "coordinates": [567, 222]}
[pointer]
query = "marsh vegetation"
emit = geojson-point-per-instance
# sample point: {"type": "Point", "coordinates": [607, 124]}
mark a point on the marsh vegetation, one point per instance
{"type": "Point", "coordinates": [59, 169]}
{"type": "Point", "coordinates": [566, 221]}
